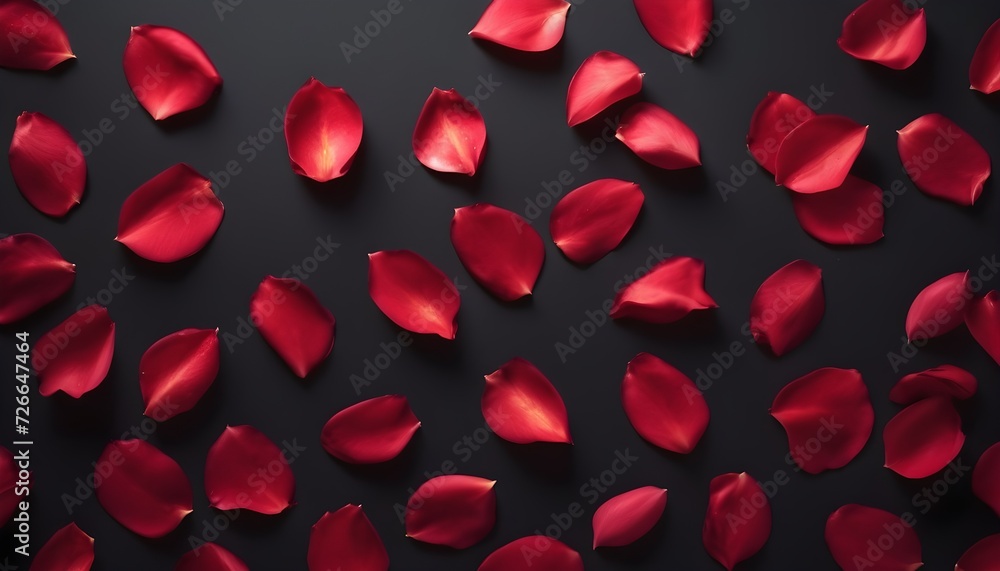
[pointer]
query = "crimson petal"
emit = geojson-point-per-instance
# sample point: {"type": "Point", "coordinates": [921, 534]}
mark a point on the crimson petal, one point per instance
{"type": "Point", "coordinates": [33, 37]}
{"type": "Point", "coordinates": [323, 129]}
{"type": "Point", "coordinates": [851, 214]}
{"type": "Point", "coordinates": [75, 356]}
{"type": "Point", "coordinates": [521, 405]}
{"type": "Point", "coordinates": [664, 406]}
{"type": "Point", "coordinates": [788, 307]}
{"type": "Point", "coordinates": [450, 135]}
{"type": "Point", "coordinates": [887, 32]}
{"type": "Point", "coordinates": [671, 290]}
{"type": "Point", "coordinates": [171, 216]}
{"type": "Point", "coordinates": [731, 541]}
{"type": "Point", "coordinates": [293, 322]}
{"type": "Point", "coordinates": [546, 554]}
{"type": "Point", "coordinates": [177, 370]}
{"type": "Point", "coordinates": [591, 221]}
{"type": "Point", "coordinates": [983, 320]}
{"type": "Point", "coordinates": [984, 72]}
{"type": "Point", "coordinates": [142, 488]}
{"type": "Point", "coordinates": [69, 549]}
{"type": "Point", "coordinates": [499, 248]}
{"type": "Point", "coordinates": [413, 293]}
{"type": "Point", "coordinates": [982, 556]}
{"type": "Point", "coordinates": [626, 517]}
{"type": "Point", "coordinates": [210, 557]}
{"type": "Point", "coordinates": [658, 137]}
{"type": "Point", "coordinates": [986, 477]}
{"type": "Point", "coordinates": [371, 431]}
{"type": "Point", "coordinates": [47, 164]}
{"type": "Point", "coordinates": [345, 539]}
{"type": "Point", "coordinates": [943, 160]}
{"type": "Point", "coordinates": [32, 274]}
{"type": "Point", "coordinates": [818, 154]}
{"type": "Point", "coordinates": [526, 25]}
{"type": "Point", "coordinates": [852, 530]}
{"type": "Point", "coordinates": [923, 438]}
{"type": "Point", "coordinates": [775, 116]}
{"type": "Point", "coordinates": [944, 380]}
{"type": "Point", "coordinates": [939, 307]}
{"type": "Point", "coordinates": [8, 486]}
{"type": "Point", "coordinates": [232, 472]}
{"type": "Point", "coordinates": [453, 510]}
{"type": "Point", "coordinates": [679, 25]}
{"type": "Point", "coordinates": [602, 79]}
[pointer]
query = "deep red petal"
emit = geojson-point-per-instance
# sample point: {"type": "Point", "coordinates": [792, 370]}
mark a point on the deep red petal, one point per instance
{"type": "Point", "coordinates": [32, 274]}
{"type": "Point", "coordinates": [984, 72]}
{"type": "Point", "coordinates": [168, 71]}
{"type": "Point", "coordinates": [450, 135]}
{"type": "Point", "coordinates": [788, 307]}
{"type": "Point", "coordinates": [590, 221]}
{"type": "Point", "coordinates": [142, 488]}
{"type": "Point", "coordinates": [982, 556]}
{"type": "Point", "coordinates": [455, 510]}
{"type": "Point", "coordinates": [533, 553]}
{"type": "Point", "coordinates": [413, 293]}
{"type": "Point", "coordinates": [210, 557]}
{"type": "Point", "coordinates": [731, 541]}
{"type": "Point", "coordinates": [526, 25]}
{"type": "Point", "coordinates": [664, 406]}
{"type": "Point", "coordinates": [75, 356]}
{"type": "Point", "coordinates": [499, 248]}
{"type": "Point", "coordinates": [852, 530]}
{"type": "Point", "coordinates": [939, 307]}
{"type": "Point", "coordinates": [293, 322]}
{"type": "Point", "coordinates": [323, 129]}
{"type": "Point", "coordinates": [48, 167]}
{"type": "Point", "coordinates": [986, 477]}
{"type": "Point", "coordinates": [851, 214]}
{"type": "Point", "coordinates": [32, 36]}
{"type": "Point", "coordinates": [830, 406]}
{"type": "Point", "coordinates": [522, 406]}
{"type": "Point", "coordinates": [923, 438]}
{"type": "Point", "coordinates": [888, 32]}
{"type": "Point", "coordinates": [345, 539]}
{"type": "Point", "coordinates": [658, 137]}
{"type": "Point", "coordinates": [8, 486]}
{"type": "Point", "coordinates": [944, 380]}
{"type": "Point", "coordinates": [671, 290]}
{"type": "Point", "coordinates": [626, 517]}
{"type": "Point", "coordinates": [818, 154]}
{"type": "Point", "coordinates": [69, 549]}
{"type": "Point", "coordinates": [943, 160]}
{"type": "Point", "coordinates": [177, 370]}
{"type": "Point", "coordinates": [773, 119]}
{"type": "Point", "coordinates": [232, 473]}
{"type": "Point", "coordinates": [602, 79]}
{"type": "Point", "coordinates": [983, 320]}
{"type": "Point", "coordinates": [679, 25]}
{"type": "Point", "coordinates": [171, 216]}
{"type": "Point", "coordinates": [371, 431]}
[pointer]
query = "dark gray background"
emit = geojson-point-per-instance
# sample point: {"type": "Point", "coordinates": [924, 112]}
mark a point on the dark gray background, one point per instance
{"type": "Point", "coordinates": [266, 50]}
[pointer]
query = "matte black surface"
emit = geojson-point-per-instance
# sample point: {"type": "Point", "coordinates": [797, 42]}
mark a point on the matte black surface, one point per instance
{"type": "Point", "coordinates": [266, 50]}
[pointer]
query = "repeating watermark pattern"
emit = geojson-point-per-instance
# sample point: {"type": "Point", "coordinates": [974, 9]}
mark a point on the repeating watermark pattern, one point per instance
{"type": "Point", "coordinates": [374, 366]}
{"type": "Point", "coordinates": [249, 148]}
{"type": "Point", "coordinates": [21, 32]}
{"type": "Point", "coordinates": [716, 27]}
{"type": "Point", "coordinates": [225, 7]}
{"type": "Point", "coordinates": [365, 33]}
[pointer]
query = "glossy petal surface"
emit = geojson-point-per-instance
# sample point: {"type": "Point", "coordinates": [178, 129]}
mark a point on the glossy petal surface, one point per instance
{"type": "Point", "coordinates": [849, 215]}
{"type": "Point", "coordinates": [75, 356]}
{"type": "Point", "coordinates": [658, 137]}
{"type": "Point", "coordinates": [923, 438]}
{"type": "Point", "coordinates": [592, 220]}
{"type": "Point", "coordinates": [450, 135]}
{"type": "Point", "coordinates": [626, 517]}
{"type": "Point", "coordinates": [33, 37]}
{"type": "Point", "coordinates": [602, 79]}
{"type": "Point", "coordinates": [233, 472]}
{"type": "Point", "coordinates": [371, 431]}
{"type": "Point", "coordinates": [32, 275]}
{"type": "Point", "coordinates": [547, 554]}
{"type": "Point", "coordinates": [888, 32]}
{"type": "Point", "coordinates": [943, 380]}
{"type": "Point", "coordinates": [522, 406]}
{"type": "Point", "coordinates": [679, 25]}
{"type": "Point", "coordinates": [670, 291]}
{"type": "Point", "coordinates": [323, 129]}
{"type": "Point", "coordinates": [730, 541]}
{"type": "Point", "coordinates": [664, 406]}
{"type": "Point", "coordinates": [345, 539]}
{"type": "Point", "coordinates": [526, 25]}
{"type": "Point", "coordinates": [984, 72]}
{"type": "Point", "coordinates": [982, 556]}
{"type": "Point", "coordinates": [413, 293]}
{"type": "Point", "coordinates": [177, 370]}
{"type": "Point", "coordinates": [788, 307]}
{"type": "Point", "coordinates": [939, 307]}
{"type": "Point", "coordinates": [69, 549]}
{"type": "Point", "coordinates": [943, 160]}
{"type": "Point", "coordinates": [168, 71]}
{"type": "Point", "coordinates": [983, 320]}
{"type": "Point", "coordinates": [773, 119]}
{"type": "Point", "coordinates": [499, 248]}
{"type": "Point", "coordinates": [818, 154]}
{"type": "Point", "coordinates": [294, 323]}
{"type": "Point", "coordinates": [48, 167]}
{"type": "Point", "coordinates": [453, 510]}
{"type": "Point", "coordinates": [852, 530]}
{"type": "Point", "coordinates": [210, 557]}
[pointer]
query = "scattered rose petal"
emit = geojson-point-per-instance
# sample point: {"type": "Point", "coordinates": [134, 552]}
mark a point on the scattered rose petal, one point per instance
{"type": "Point", "coordinates": [788, 307]}
{"type": "Point", "coordinates": [75, 356]}
{"type": "Point", "coordinates": [664, 406]}
{"type": "Point", "coordinates": [986, 478]}
{"type": "Point", "coordinates": [323, 129]}
{"type": "Point", "coordinates": [47, 165]}
{"type": "Point", "coordinates": [830, 406]}
{"type": "Point", "coordinates": [852, 530]}
{"type": "Point", "coordinates": [943, 160]}
{"type": "Point", "coordinates": [658, 137]}
{"type": "Point", "coordinates": [984, 73]}
{"type": "Point", "coordinates": [293, 322]}
{"type": "Point", "coordinates": [8, 486]}
{"type": "Point", "coordinates": [888, 32]}
{"type": "Point", "coordinates": [982, 556]}
{"type": "Point", "coordinates": [626, 517]}
{"type": "Point", "coordinates": [413, 293]}
{"type": "Point", "coordinates": [923, 438]}
{"type": "Point", "coordinates": [602, 79]}
{"type": "Point", "coordinates": [671, 290]}
{"type": "Point", "coordinates": [944, 380]}
{"type": "Point", "coordinates": [33, 37]}
{"type": "Point", "coordinates": [345, 539]}
{"type": "Point", "coordinates": [521, 405]}
{"type": "Point", "coordinates": [32, 275]}
{"type": "Point", "coordinates": [773, 119]}
{"type": "Point", "coordinates": [142, 488]}
{"type": "Point", "coordinates": [171, 216]}
{"type": "Point", "coordinates": [851, 214]}
{"type": "Point", "coordinates": [450, 135]}
{"type": "Point", "coordinates": [69, 549]}
{"type": "Point", "coordinates": [547, 555]}
{"type": "Point", "coordinates": [454, 510]}
{"type": "Point", "coordinates": [939, 307]}
{"type": "Point", "coordinates": [177, 370]}
{"type": "Point", "coordinates": [739, 495]}
{"type": "Point", "coordinates": [679, 25]}
{"type": "Point", "coordinates": [983, 320]}
{"type": "Point", "coordinates": [499, 248]}
{"type": "Point", "coordinates": [371, 431]}
{"type": "Point", "coordinates": [818, 154]}
{"type": "Point", "coordinates": [526, 25]}
{"type": "Point", "coordinates": [210, 557]}
{"type": "Point", "coordinates": [233, 468]}
{"type": "Point", "coordinates": [591, 221]}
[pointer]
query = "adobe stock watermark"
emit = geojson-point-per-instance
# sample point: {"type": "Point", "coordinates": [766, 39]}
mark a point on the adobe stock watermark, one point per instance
{"type": "Point", "coordinates": [249, 148]}
{"type": "Point", "coordinates": [21, 32]}
{"type": "Point", "coordinates": [225, 7]}
{"type": "Point", "coordinates": [365, 34]}
{"type": "Point", "coordinates": [716, 27]}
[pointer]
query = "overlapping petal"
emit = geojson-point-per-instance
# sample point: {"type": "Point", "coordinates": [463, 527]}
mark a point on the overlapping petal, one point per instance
{"type": "Point", "coordinates": [943, 160]}
{"type": "Point", "coordinates": [773, 119]}
{"type": "Point", "coordinates": [788, 307]}
{"type": "Point", "coordinates": [453, 510]}
{"type": "Point", "coordinates": [450, 135]}
{"type": "Point", "coordinates": [33, 37]}
{"type": "Point", "coordinates": [547, 555]}
{"type": "Point", "coordinates": [69, 549]}
{"type": "Point", "coordinates": [923, 438]}
{"type": "Point", "coordinates": [818, 154]}
{"type": "Point", "coordinates": [233, 472]}
{"type": "Point", "coordinates": [499, 248]}
{"type": "Point", "coordinates": [982, 556]}
{"type": "Point", "coordinates": [210, 557]}
{"type": "Point", "coordinates": [75, 356]}
{"type": "Point", "coordinates": [602, 79]}
{"type": "Point", "coordinates": [8, 486]}
{"type": "Point", "coordinates": [32, 275]}
{"type": "Point", "coordinates": [526, 25]}
{"type": "Point", "coordinates": [521, 405]}
{"type": "Point", "coordinates": [658, 137]}
{"type": "Point", "coordinates": [371, 431]}
{"type": "Point", "coordinates": [736, 495]}
{"type": "Point", "coordinates": [626, 517]}
{"type": "Point", "coordinates": [984, 72]}
{"type": "Point", "coordinates": [293, 322]}
{"type": "Point", "coordinates": [939, 307]}
{"type": "Point", "coordinates": [592, 220]}
{"type": "Point", "coordinates": [177, 370]}
{"type": "Point", "coordinates": [664, 406]}
{"type": "Point", "coordinates": [983, 320]}
{"type": "Point", "coordinates": [853, 529]}
{"type": "Point", "coordinates": [413, 293]}
{"type": "Point", "coordinates": [851, 214]}
{"type": "Point", "coordinates": [986, 477]}
{"type": "Point", "coordinates": [888, 32]}
{"type": "Point", "coordinates": [679, 25]}
{"type": "Point", "coordinates": [47, 165]}
{"type": "Point", "coordinates": [943, 380]}
{"type": "Point", "coordinates": [345, 539]}
{"type": "Point", "coordinates": [323, 129]}
{"type": "Point", "coordinates": [670, 291]}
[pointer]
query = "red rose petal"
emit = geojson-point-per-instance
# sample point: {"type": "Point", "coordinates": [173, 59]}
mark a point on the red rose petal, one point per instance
{"type": "Point", "coordinates": [526, 25]}
{"type": "Point", "coordinates": [454, 510]}
{"type": "Point", "coordinates": [679, 25]}
{"type": "Point", "coordinates": [499, 248]}
{"type": "Point", "coordinates": [986, 477]}
{"type": "Point", "coordinates": [232, 473]}
{"type": "Point", "coordinates": [828, 406]}
{"type": "Point", "coordinates": [371, 431]}
{"type": "Point", "coordinates": [293, 322]}
{"type": "Point", "coordinates": [851, 214]}
{"type": "Point", "coordinates": [533, 553]}
{"type": "Point", "coordinates": [171, 216]}
{"type": "Point", "coordinates": [773, 119]}
{"type": "Point", "coordinates": [888, 32]}
{"type": "Point", "coordinates": [69, 549]}
{"type": "Point", "coordinates": [944, 380]}
{"type": "Point", "coordinates": [177, 370]}
{"type": "Point", "coordinates": [210, 557]}
{"type": "Point", "coordinates": [413, 293]}
{"type": "Point", "coordinates": [818, 154]}
{"type": "Point", "coordinates": [345, 539]}
{"type": "Point", "coordinates": [521, 405]}
{"type": "Point", "coordinates": [670, 291]}
{"type": "Point", "coordinates": [32, 275]}
{"type": "Point", "coordinates": [169, 73]}
{"type": "Point", "coordinates": [658, 137]}
{"type": "Point", "coordinates": [728, 540]}
{"type": "Point", "coordinates": [33, 37]}
{"type": "Point", "coordinates": [852, 530]}
{"type": "Point", "coordinates": [664, 406]}
{"type": "Point", "coordinates": [788, 307]}
{"type": "Point", "coordinates": [142, 488]}
{"type": "Point", "coordinates": [8, 484]}
{"type": "Point", "coordinates": [982, 556]}
{"type": "Point", "coordinates": [450, 135]}
{"type": "Point", "coordinates": [323, 129]}
{"type": "Point", "coordinates": [983, 320]}
{"type": "Point", "coordinates": [602, 79]}
{"type": "Point", "coordinates": [984, 72]}
{"type": "Point", "coordinates": [75, 356]}
{"type": "Point", "coordinates": [626, 517]}
{"type": "Point", "coordinates": [47, 165]}
{"type": "Point", "coordinates": [923, 438]}
{"type": "Point", "coordinates": [943, 160]}
{"type": "Point", "coordinates": [591, 221]}
{"type": "Point", "coordinates": [939, 307]}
